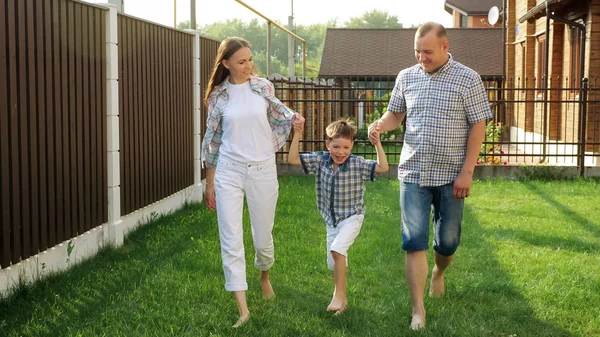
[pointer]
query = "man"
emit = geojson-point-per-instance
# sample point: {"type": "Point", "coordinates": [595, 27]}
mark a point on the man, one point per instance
{"type": "Point", "coordinates": [446, 109]}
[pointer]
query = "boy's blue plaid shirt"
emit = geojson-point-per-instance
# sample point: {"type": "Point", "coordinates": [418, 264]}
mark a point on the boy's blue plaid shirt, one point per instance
{"type": "Point", "coordinates": [340, 194]}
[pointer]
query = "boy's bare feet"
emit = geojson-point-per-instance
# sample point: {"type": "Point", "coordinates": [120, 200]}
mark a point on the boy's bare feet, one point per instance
{"type": "Point", "coordinates": [337, 304]}
{"type": "Point", "coordinates": [267, 289]}
{"type": "Point", "coordinates": [243, 319]}
{"type": "Point", "coordinates": [436, 288]}
{"type": "Point", "coordinates": [418, 321]}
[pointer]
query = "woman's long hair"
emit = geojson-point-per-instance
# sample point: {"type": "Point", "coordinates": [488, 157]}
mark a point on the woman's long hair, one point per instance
{"type": "Point", "coordinates": [227, 48]}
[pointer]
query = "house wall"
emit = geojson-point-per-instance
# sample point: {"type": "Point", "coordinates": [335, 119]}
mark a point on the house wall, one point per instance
{"type": "Point", "coordinates": [562, 118]}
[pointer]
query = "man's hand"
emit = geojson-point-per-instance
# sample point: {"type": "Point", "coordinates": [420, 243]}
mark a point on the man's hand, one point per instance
{"type": "Point", "coordinates": [209, 197]}
{"type": "Point", "coordinates": [462, 186]}
{"type": "Point", "coordinates": [375, 129]}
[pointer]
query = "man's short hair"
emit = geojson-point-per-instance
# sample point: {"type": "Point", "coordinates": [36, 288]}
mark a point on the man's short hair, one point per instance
{"type": "Point", "coordinates": [342, 128]}
{"type": "Point", "coordinates": [427, 27]}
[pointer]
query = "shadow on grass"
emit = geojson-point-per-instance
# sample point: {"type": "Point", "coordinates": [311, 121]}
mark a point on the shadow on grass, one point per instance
{"type": "Point", "coordinates": [88, 290]}
{"type": "Point", "coordinates": [566, 210]}
{"type": "Point", "coordinates": [477, 288]}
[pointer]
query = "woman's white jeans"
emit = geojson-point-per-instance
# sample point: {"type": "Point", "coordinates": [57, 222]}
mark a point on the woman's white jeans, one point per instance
{"type": "Point", "coordinates": [259, 182]}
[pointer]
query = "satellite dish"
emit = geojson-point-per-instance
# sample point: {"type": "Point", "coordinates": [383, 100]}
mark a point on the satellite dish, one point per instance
{"type": "Point", "coordinates": [493, 15]}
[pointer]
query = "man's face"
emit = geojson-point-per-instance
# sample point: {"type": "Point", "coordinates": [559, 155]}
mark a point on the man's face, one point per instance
{"type": "Point", "coordinates": [431, 52]}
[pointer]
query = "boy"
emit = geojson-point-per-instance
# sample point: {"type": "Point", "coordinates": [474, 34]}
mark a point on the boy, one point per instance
{"type": "Point", "coordinates": [340, 176]}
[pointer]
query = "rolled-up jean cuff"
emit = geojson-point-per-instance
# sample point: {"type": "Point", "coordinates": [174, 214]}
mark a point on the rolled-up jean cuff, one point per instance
{"type": "Point", "coordinates": [263, 267]}
{"type": "Point", "coordinates": [236, 286]}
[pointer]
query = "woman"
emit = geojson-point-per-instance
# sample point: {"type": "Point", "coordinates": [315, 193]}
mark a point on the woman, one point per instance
{"type": "Point", "coordinates": [246, 125]}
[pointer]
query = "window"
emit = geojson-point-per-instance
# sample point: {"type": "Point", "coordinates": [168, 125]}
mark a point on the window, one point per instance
{"type": "Point", "coordinates": [464, 21]}
{"type": "Point", "coordinates": [575, 56]}
{"type": "Point", "coordinates": [541, 64]}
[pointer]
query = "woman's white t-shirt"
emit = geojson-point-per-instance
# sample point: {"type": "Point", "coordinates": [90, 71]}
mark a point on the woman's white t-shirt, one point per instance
{"type": "Point", "coordinates": [247, 135]}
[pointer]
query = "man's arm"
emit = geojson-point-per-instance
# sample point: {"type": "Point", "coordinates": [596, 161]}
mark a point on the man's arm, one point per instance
{"type": "Point", "coordinates": [462, 185]}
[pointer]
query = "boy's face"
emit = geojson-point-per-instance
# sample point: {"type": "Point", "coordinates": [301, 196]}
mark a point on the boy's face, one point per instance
{"type": "Point", "coordinates": [340, 149]}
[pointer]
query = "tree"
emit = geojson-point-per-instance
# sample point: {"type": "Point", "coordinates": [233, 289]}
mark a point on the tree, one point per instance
{"type": "Point", "coordinates": [374, 19]}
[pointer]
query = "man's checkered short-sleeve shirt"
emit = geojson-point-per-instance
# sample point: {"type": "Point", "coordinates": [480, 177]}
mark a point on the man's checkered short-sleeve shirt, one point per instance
{"type": "Point", "coordinates": [440, 110]}
{"type": "Point", "coordinates": [340, 194]}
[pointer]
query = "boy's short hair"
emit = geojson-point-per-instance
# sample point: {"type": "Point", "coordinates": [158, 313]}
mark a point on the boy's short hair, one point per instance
{"type": "Point", "coordinates": [342, 128]}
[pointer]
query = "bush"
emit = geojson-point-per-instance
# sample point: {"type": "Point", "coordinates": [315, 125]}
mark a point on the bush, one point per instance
{"type": "Point", "coordinates": [488, 152]}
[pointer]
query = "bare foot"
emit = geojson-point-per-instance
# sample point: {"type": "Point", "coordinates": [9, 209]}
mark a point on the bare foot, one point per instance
{"type": "Point", "coordinates": [338, 304]}
{"type": "Point", "coordinates": [243, 319]}
{"type": "Point", "coordinates": [267, 290]}
{"type": "Point", "coordinates": [418, 322]}
{"type": "Point", "coordinates": [437, 284]}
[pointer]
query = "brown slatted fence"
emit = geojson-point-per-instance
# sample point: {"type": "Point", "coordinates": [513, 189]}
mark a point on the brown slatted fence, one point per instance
{"type": "Point", "coordinates": [156, 111]}
{"type": "Point", "coordinates": [53, 178]}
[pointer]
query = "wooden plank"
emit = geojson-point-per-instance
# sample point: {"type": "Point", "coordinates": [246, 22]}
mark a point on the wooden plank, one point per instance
{"type": "Point", "coordinates": [169, 109]}
{"type": "Point", "coordinates": [152, 81]}
{"type": "Point", "coordinates": [102, 117]}
{"type": "Point", "coordinates": [144, 148]}
{"type": "Point", "coordinates": [86, 111]}
{"type": "Point", "coordinates": [160, 114]}
{"type": "Point", "coordinates": [71, 178]}
{"type": "Point", "coordinates": [59, 33]}
{"type": "Point", "coordinates": [93, 119]}
{"type": "Point", "coordinates": [25, 174]}
{"type": "Point", "coordinates": [34, 195]}
{"type": "Point", "coordinates": [130, 114]}
{"type": "Point", "coordinates": [135, 151]}
{"type": "Point", "coordinates": [44, 128]}
{"type": "Point", "coordinates": [5, 137]}
{"type": "Point", "coordinates": [79, 112]}
{"type": "Point", "coordinates": [123, 104]}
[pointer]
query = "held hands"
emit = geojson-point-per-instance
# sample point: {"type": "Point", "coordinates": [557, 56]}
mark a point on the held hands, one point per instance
{"type": "Point", "coordinates": [375, 130]}
{"type": "Point", "coordinates": [298, 123]}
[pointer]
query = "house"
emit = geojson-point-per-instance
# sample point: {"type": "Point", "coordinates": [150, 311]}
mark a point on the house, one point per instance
{"type": "Point", "coordinates": [551, 45]}
{"type": "Point", "coordinates": [383, 53]}
{"type": "Point", "coordinates": [472, 13]}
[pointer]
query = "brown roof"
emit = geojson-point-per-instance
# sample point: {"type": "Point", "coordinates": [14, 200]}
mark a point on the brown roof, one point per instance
{"type": "Point", "coordinates": [473, 7]}
{"type": "Point", "coordinates": [384, 52]}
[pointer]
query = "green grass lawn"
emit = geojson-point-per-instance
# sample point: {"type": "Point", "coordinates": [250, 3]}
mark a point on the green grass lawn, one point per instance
{"type": "Point", "coordinates": [529, 265]}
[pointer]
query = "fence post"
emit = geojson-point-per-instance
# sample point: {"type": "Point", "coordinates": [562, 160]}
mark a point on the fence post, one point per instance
{"type": "Point", "coordinates": [111, 234]}
{"type": "Point", "coordinates": [197, 114]}
{"type": "Point", "coordinates": [582, 125]}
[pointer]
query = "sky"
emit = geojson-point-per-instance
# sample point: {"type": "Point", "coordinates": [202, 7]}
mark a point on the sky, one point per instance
{"type": "Point", "coordinates": [306, 12]}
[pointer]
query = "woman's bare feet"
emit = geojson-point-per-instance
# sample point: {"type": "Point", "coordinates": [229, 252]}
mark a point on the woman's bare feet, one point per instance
{"type": "Point", "coordinates": [244, 317]}
{"type": "Point", "coordinates": [436, 288]}
{"type": "Point", "coordinates": [265, 285]}
{"type": "Point", "coordinates": [338, 303]}
{"type": "Point", "coordinates": [418, 321]}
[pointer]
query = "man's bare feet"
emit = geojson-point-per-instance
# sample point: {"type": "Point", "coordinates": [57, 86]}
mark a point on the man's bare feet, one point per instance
{"type": "Point", "coordinates": [436, 288]}
{"type": "Point", "coordinates": [418, 322]}
{"type": "Point", "coordinates": [243, 319]}
{"type": "Point", "coordinates": [267, 289]}
{"type": "Point", "coordinates": [337, 304]}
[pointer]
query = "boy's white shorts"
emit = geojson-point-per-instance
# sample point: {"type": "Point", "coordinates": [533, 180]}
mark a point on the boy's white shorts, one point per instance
{"type": "Point", "coordinates": [340, 238]}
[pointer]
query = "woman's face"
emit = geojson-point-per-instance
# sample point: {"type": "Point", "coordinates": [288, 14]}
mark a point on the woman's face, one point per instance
{"type": "Point", "coordinates": [240, 65]}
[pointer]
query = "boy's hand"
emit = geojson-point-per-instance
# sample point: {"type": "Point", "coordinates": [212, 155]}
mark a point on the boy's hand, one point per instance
{"type": "Point", "coordinates": [209, 197]}
{"type": "Point", "coordinates": [374, 132]}
{"type": "Point", "coordinates": [298, 123]}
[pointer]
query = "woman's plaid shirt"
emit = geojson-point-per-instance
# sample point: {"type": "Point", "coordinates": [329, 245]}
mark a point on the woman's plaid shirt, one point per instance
{"type": "Point", "coordinates": [440, 110]}
{"type": "Point", "coordinates": [279, 115]}
{"type": "Point", "coordinates": [340, 194]}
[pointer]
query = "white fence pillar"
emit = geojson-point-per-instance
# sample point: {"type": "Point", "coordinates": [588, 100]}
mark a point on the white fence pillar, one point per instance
{"type": "Point", "coordinates": [197, 122]}
{"type": "Point", "coordinates": [111, 234]}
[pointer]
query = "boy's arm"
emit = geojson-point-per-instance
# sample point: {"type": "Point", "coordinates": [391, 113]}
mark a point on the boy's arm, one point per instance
{"type": "Point", "coordinates": [382, 162]}
{"type": "Point", "coordinates": [293, 156]}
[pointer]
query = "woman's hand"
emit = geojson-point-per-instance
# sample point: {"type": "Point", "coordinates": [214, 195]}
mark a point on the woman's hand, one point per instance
{"type": "Point", "coordinates": [209, 197]}
{"type": "Point", "coordinates": [298, 122]}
